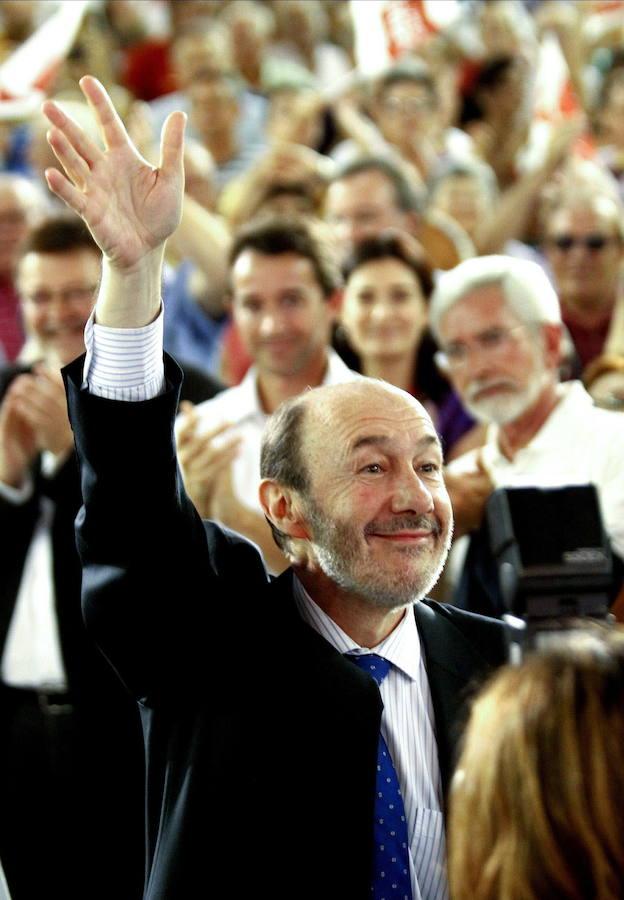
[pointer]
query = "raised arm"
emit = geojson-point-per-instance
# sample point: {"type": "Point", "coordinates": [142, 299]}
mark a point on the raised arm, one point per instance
{"type": "Point", "coordinates": [129, 206]}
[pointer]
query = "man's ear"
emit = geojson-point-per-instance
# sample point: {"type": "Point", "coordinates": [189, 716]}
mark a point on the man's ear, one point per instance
{"type": "Point", "coordinates": [553, 344]}
{"type": "Point", "coordinates": [281, 507]}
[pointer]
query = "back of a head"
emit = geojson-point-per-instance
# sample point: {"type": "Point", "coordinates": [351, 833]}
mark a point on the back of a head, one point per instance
{"type": "Point", "coordinates": [536, 803]}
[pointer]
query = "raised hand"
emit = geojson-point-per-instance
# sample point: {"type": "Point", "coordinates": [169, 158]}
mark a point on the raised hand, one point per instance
{"type": "Point", "coordinates": [130, 207]}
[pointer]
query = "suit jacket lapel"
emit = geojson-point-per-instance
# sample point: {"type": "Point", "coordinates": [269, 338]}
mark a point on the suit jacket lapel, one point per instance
{"type": "Point", "coordinates": [452, 665]}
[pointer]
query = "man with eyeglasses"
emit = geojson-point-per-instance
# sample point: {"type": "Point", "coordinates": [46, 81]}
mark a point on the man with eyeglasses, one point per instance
{"type": "Point", "coordinates": [407, 109]}
{"type": "Point", "coordinates": [584, 246]}
{"type": "Point", "coordinates": [498, 324]}
{"type": "Point", "coordinates": [71, 748]}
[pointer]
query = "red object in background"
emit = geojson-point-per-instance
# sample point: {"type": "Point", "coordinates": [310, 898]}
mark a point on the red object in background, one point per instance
{"type": "Point", "coordinates": [146, 70]}
{"type": "Point", "coordinates": [234, 357]}
{"type": "Point", "coordinates": [406, 25]}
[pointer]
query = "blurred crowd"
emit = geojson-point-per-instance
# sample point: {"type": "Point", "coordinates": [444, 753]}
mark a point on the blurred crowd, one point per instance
{"type": "Point", "coordinates": [427, 193]}
{"type": "Point", "coordinates": [497, 132]}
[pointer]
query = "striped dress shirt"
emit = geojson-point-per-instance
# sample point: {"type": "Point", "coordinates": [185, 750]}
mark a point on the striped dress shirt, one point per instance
{"type": "Point", "coordinates": [127, 364]}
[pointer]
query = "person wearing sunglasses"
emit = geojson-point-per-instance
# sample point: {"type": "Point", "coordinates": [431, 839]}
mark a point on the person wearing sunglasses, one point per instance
{"type": "Point", "coordinates": [498, 324]}
{"type": "Point", "coordinates": [584, 247]}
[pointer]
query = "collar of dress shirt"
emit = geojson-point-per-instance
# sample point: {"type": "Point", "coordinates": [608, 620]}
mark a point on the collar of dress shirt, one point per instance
{"type": "Point", "coordinates": [244, 402]}
{"type": "Point", "coordinates": [560, 427]}
{"type": "Point", "coordinates": [401, 647]}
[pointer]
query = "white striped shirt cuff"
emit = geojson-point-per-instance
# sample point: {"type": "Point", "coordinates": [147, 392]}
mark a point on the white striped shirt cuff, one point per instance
{"type": "Point", "coordinates": [124, 363]}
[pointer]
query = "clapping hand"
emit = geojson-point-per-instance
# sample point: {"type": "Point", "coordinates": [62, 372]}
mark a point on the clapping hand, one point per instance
{"type": "Point", "coordinates": [469, 492]}
{"type": "Point", "coordinates": [205, 460]}
{"type": "Point", "coordinates": [33, 418]}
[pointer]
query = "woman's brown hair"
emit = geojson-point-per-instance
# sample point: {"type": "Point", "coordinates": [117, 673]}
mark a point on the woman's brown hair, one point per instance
{"type": "Point", "coordinates": [537, 804]}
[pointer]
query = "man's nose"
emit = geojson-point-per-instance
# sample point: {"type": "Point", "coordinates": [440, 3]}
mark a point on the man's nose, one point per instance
{"type": "Point", "coordinates": [411, 494]}
{"type": "Point", "coordinates": [272, 323]}
{"type": "Point", "coordinates": [348, 232]}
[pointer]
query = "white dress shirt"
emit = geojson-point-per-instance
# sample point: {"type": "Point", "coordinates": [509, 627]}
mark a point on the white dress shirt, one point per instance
{"type": "Point", "coordinates": [32, 656]}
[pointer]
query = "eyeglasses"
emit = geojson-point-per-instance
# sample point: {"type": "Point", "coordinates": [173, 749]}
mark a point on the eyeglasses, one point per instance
{"type": "Point", "coordinates": [406, 105]}
{"type": "Point", "coordinates": [592, 242]}
{"type": "Point", "coordinates": [493, 341]}
{"type": "Point", "coordinates": [70, 295]}
{"type": "Point", "coordinates": [77, 294]}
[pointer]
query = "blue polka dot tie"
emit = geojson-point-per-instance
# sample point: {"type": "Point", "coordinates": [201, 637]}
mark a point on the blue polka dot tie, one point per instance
{"type": "Point", "coordinates": [391, 878]}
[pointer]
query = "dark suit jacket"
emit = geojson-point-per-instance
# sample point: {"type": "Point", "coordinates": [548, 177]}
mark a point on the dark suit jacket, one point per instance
{"type": "Point", "coordinates": [261, 738]}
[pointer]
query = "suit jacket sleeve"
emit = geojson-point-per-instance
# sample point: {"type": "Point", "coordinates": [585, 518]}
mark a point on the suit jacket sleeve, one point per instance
{"type": "Point", "coordinates": [157, 582]}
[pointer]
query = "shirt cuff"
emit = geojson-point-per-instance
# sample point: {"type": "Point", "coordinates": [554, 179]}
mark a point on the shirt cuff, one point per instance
{"type": "Point", "coordinates": [124, 363]}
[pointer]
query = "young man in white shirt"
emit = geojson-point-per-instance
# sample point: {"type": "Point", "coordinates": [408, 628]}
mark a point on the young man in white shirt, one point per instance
{"type": "Point", "coordinates": [284, 290]}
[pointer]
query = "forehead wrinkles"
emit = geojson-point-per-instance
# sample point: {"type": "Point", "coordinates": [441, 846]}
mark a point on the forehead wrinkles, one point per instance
{"type": "Point", "coordinates": [332, 428]}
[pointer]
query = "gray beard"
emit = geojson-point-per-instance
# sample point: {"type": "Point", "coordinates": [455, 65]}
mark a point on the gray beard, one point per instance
{"type": "Point", "coordinates": [338, 554]}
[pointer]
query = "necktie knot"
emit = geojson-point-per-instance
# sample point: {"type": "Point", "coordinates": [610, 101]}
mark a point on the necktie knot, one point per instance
{"type": "Point", "coordinates": [375, 665]}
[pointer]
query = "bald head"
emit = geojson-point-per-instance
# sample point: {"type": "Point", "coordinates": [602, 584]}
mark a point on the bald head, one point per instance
{"type": "Point", "coordinates": [313, 417]}
{"type": "Point", "coordinates": [324, 437]}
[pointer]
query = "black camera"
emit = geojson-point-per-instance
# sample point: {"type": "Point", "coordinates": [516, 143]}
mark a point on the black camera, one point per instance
{"type": "Point", "coordinates": [554, 560]}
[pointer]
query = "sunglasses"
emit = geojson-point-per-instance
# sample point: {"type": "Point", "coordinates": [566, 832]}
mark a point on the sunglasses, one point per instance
{"type": "Point", "coordinates": [591, 242]}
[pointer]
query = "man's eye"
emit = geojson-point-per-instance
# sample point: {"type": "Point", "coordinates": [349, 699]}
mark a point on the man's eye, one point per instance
{"type": "Point", "coordinates": [372, 468]}
{"type": "Point", "coordinates": [492, 338]}
{"type": "Point", "coordinates": [430, 468]}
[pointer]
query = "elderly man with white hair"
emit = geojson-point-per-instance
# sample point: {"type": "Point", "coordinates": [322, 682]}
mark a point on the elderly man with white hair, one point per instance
{"type": "Point", "coordinates": [498, 323]}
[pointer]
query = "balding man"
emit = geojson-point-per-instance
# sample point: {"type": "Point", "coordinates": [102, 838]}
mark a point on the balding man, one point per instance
{"type": "Point", "coordinates": [299, 733]}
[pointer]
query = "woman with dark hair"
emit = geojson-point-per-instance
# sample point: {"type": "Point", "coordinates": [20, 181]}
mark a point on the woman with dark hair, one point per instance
{"type": "Point", "coordinates": [383, 331]}
{"type": "Point", "coordinates": [537, 805]}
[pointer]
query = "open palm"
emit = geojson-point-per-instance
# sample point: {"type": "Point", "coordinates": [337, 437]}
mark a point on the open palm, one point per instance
{"type": "Point", "coordinates": [130, 207]}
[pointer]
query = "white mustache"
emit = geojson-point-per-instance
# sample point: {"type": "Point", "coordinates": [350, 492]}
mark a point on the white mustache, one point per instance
{"type": "Point", "coordinates": [484, 384]}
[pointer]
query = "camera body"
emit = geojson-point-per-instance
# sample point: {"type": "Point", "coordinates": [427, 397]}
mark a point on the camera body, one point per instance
{"type": "Point", "coordinates": [554, 560]}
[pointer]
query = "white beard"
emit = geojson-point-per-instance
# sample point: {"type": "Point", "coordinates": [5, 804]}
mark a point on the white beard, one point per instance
{"type": "Point", "coordinates": [509, 404]}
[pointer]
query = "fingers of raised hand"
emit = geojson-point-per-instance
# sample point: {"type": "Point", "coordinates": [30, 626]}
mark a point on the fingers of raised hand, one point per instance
{"type": "Point", "coordinates": [172, 144]}
{"type": "Point", "coordinates": [75, 166]}
{"type": "Point", "coordinates": [64, 189]}
{"type": "Point", "coordinates": [73, 133]}
{"type": "Point", "coordinates": [111, 127]}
